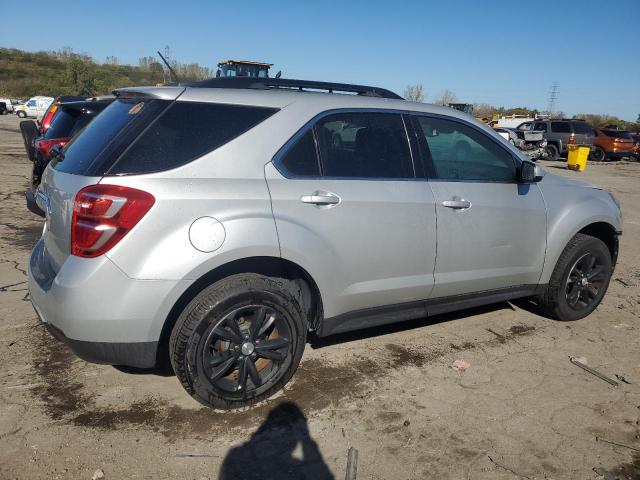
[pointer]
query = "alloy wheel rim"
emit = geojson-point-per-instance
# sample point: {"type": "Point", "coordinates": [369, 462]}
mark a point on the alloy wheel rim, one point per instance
{"type": "Point", "coordinates": [585, 282]}
{"type": "Point", "coordinates": [246, 349]}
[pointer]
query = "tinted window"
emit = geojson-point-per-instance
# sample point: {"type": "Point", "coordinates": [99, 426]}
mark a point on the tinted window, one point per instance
{"type": "Point", "coordinates": [460, 152]}
{"type": "Point", "coordinates": [560, 127]}
{"type": "Point", "coordinates": [107, 136]}
{"type": "Point", "coordinates": [582, 127]}
{"type": "Point", "coordinates": [301, 158]}
{"type": "Point", "coordinates": [63, 124]}
{"type": "Point", "coordinates": [364, 145]}
{"type": "Point", "coordinates": [617, 134]}
{"type": "Point", "coordinates": [540, 126]}
{"type": "Point", "coordinates": [186, 131]}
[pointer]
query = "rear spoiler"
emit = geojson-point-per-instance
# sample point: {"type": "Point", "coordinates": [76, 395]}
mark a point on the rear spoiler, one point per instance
{"type": "Point", "coordinates": [162, 93]}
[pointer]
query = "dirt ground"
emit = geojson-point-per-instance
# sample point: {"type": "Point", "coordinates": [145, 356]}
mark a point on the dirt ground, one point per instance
{"type": "Point", "coordinates": [521, 410]}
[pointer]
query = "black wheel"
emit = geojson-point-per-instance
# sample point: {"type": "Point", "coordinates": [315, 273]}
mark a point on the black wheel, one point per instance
{"type": "Point", "coordinates": [239, 341]}
{"type": "Point", "coordinates": [580, 279]}
{"type": "Point", "coordinates": [552, 151]}
{"type": "Point", "coordinates": [22, 114]}
{"type": "Point", "coordinates": [598, 155]}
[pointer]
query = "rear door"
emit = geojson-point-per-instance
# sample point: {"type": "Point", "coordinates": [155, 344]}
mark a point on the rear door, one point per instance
{"type": "Point", "coordinates": [491, 228]}
{"type": "Point", "coordinates": [358, 220]}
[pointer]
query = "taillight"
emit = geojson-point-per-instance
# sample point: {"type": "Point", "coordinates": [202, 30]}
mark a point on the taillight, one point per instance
{"type": "Point", "coordinates": [46, 121]}
{"type": "Point", "coordinates": [572, 139]}
{"type": "Point", "coordinates": [103, 215]}
{"type": "Point", "coordinates": [45, 146]}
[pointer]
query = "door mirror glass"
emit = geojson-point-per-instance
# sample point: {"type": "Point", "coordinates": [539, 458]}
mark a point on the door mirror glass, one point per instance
{"type": "Point", "coordinates": [530, 172]}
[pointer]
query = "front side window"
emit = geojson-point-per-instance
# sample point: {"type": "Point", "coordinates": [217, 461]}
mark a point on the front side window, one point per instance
{"type": "Point", "coordinates": [560, 127]}
{"type": "Point", "coordinates": [364, 145]}
{"type": "Point", "coordinates": [460, 152]}
{"type": "Point", "coordinates": [541, 126]}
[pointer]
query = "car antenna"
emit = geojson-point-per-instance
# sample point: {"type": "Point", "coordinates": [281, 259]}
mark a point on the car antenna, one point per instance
{"type": "Point", "coordinates": [169, 67]}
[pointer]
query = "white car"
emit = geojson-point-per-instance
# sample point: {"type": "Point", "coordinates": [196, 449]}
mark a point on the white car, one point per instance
{"type": "Point", "coordinates": [34, 107]}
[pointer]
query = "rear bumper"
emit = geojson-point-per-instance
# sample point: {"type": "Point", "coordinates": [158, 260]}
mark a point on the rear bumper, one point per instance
{"type": "Point", "coordinates": [619, 154]}
{"type": "Point", "coordinates": [103, 315]}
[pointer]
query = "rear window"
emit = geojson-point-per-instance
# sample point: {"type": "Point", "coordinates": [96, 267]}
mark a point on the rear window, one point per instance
{"type": "Point", "coordinates": [140, 135]}
{"type": "Point", "coordinates": [617, 134]}
{"type": "Point", "coordinates": [107, 136]}
{"type": "Point", "coordinates": [582, 127]}
{"type": "Point", "coordinates": [560, 127]}
{"type": "Point", "coordinates": [186, 131]}
{"type": "Point", "coordinates": [63, 124]}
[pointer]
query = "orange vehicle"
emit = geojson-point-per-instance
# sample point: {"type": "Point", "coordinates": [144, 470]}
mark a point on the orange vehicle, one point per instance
{"type": "Point", "coordinates": [611, 144]}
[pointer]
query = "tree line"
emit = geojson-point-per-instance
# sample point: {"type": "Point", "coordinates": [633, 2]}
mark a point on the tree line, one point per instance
{"type": "Point", "coordinates": [65, 72]}
{"type": "Point", "coordinates": [416, 93]}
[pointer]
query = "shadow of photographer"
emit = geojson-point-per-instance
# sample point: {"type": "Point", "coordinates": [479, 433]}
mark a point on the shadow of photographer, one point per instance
{"type": "Point", "coordinates": [281, 448]}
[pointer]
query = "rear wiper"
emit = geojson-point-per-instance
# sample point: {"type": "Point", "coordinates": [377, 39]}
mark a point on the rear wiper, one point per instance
{"type": "Point", "coordinates": [57, 154]}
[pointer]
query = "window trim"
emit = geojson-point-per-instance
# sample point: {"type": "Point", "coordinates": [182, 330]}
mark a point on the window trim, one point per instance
{"type": "Point", "coordinates": [311, 124]}
{"type": "Point", "coordinates": [428, 161]}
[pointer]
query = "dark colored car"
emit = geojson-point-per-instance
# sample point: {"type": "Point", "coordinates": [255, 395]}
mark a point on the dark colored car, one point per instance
{"type": "Point", "coordinates": [70, 118]}
{"type": "Point", "coordinates": [559, 133]}
{"type": "Point", "coordinates": [48, 116]}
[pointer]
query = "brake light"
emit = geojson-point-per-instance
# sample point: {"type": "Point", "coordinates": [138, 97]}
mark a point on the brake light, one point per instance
{"type": "Point", "coordinates": [103, 215]}
{"type": "Point", "coordinates": [45, 146]}
{"type": "Point", "coordinates": [572, 139]}
{"type": "Point", "coordinates": [46, 121]}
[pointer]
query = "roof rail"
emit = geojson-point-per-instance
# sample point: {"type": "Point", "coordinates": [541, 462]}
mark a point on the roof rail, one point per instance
{"type": "Point", "coordinates": [302, 85]}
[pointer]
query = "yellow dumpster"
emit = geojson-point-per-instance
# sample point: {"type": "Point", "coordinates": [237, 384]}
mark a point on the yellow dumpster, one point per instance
{"type": "Point", "coordinates": [577, 158]}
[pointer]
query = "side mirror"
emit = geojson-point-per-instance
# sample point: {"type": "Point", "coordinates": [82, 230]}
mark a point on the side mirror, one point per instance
{"type": "Point", "coordinates": [530, 172]}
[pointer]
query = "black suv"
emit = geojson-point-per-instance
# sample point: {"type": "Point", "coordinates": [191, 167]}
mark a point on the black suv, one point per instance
{"type": "Point", "coordinates": [561, 132]}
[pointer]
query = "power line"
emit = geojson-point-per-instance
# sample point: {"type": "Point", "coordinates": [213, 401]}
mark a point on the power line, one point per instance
{"type": "Point", "coordinates": [553, 96]}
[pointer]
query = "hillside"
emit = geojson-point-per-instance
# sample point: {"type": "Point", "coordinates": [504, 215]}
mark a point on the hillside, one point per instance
{"type": "Point", "coordinates": [25, 74]}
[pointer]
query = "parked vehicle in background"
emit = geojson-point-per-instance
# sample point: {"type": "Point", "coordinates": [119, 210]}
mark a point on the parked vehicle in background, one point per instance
{"type": "Point", "coordinates": [217, 224]}
{"type": "Point", "coordinates": [34, 107]}
{"type": "Point", "coordinates": [561, 132]}
{"type": "Point", "coordinates": [70, 118]}
{"type": "Point", "coordinates": [531, 143]}
{"type": "Point", "coordinates": [636, 148]}
{"type": "Point", "coordinates": [53, 107]}
{"type": "Point", "coordinates": [612, 144]}
{"type": "Point", "coordinates": [243, 68]}
{"type": "Point", "coordinates": [9, 105]}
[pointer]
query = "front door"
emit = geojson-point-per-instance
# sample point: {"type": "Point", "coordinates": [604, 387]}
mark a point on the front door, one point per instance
{"type": "Point", "coordinates": [491, 228]}
{"type": "Point", "coordinates": [349, 209]}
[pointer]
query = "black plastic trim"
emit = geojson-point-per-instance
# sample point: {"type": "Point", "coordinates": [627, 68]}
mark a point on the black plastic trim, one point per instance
{"type": "Point", "coordinates": [32, 205]}
{"type": "Point", "coordinates": [373, 317]}
{"type": "Point", "coordinates": [134, 354]}
{"type": "Point", "coordinates": [285, 83]}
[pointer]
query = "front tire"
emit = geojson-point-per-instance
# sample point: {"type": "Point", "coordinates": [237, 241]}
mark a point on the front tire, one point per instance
{"type": "Point", "coordinates": [580, 279]}
{"type": "Point", "coordinates": [239, 341]}
{"type": "Point", "coordinates": [22, 114]}
{"type": "Point", "coordinates": [598, 155]}
{"type": "Point", "coordinates": [552, 151]}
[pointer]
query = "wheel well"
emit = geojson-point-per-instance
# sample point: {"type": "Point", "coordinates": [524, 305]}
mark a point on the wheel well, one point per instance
{"type": "Point", "coordinates": [607, 234]}
{"type": "Point", "coordinates": [268, 266]}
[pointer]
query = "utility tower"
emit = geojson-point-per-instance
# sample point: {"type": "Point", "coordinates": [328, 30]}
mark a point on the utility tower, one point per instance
{"type": "Point", "coordinates": [553, 95]}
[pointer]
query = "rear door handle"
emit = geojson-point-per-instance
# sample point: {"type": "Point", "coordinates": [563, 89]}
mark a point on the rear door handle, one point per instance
{"type": "Point", "coordinates": [321, 198]}
{"type": "Point", "coordinates": [456, 203]}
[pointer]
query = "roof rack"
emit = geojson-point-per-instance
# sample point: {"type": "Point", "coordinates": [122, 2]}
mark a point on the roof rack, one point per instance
{"type": "Point", "coordinates": [301, 85]}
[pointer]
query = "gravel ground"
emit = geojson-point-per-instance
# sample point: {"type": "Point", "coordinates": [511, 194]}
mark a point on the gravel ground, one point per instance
{"type": "Point", "coordinates": [521, 409]}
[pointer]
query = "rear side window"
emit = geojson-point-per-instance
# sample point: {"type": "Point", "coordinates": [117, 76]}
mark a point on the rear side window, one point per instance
{"type": "Point", "coordinates": [582, 127]}
{"type": "Point", "coordinates": [301, 159]}
{"type": "Point", "coordinates": [364, 145]}
{"type": "Point", "coordinates": [560, 127]}
{"type": "Point", "coordinates": [186, 131]}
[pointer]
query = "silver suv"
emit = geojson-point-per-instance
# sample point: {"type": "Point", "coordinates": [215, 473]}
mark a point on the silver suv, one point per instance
{"type": "Point", "coordinates": [216, 225]}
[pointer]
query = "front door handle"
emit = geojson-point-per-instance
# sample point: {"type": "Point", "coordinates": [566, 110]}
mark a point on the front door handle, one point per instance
{"type": "Point", "coordinates": [321, 198]}
{"type": "Point", "coordinates": [457, 203]}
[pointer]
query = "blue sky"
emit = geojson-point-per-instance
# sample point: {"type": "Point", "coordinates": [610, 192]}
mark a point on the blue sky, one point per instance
{"type": "Point", "coordinates": [502, 53]}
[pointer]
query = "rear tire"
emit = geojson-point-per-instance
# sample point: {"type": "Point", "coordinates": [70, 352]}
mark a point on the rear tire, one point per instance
{"type": "Point", "coordinates": [552, 151]}
{"type": "Point", "coordinates": [598, 155]}
{"type": "Point", "coordinates": [580, 279]}
{"type": "Point", "coordinates": [22, 114]}
{"type": "Point", "coordinates": [239, 341]}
